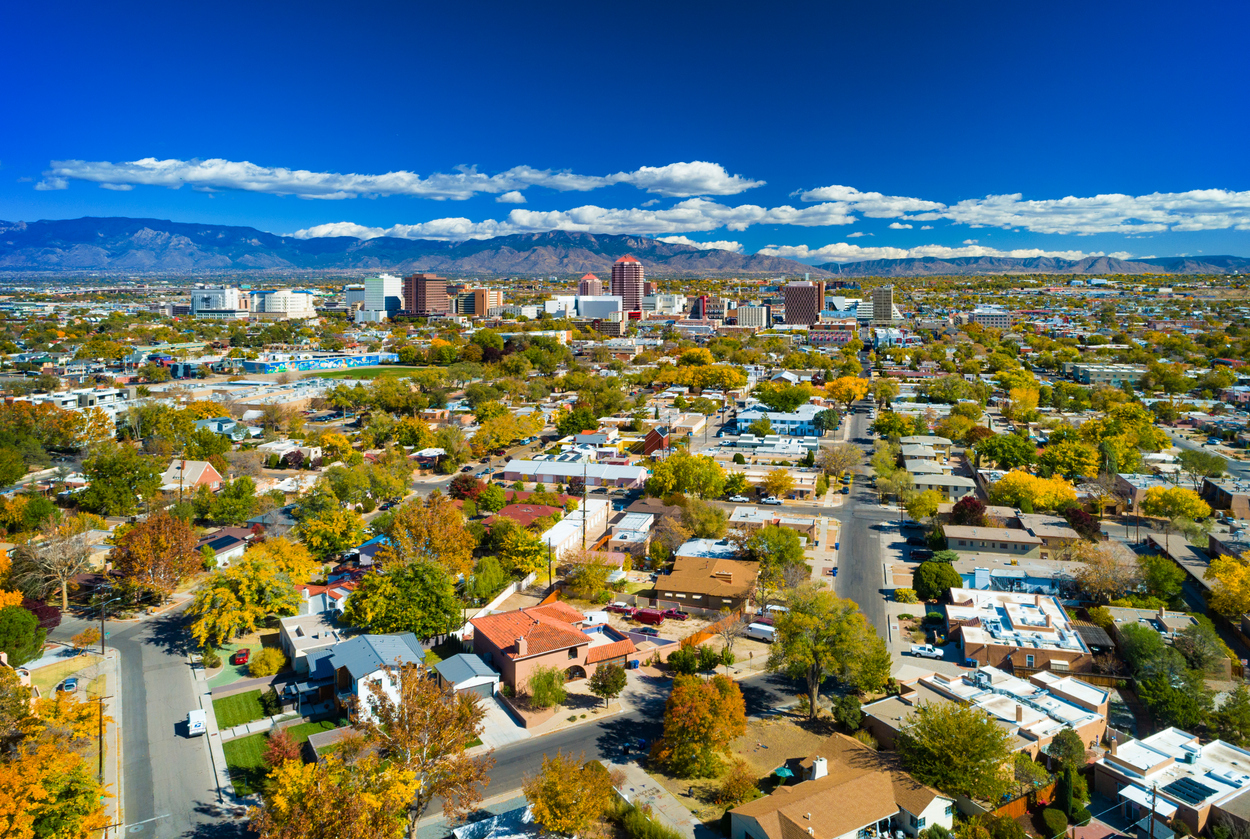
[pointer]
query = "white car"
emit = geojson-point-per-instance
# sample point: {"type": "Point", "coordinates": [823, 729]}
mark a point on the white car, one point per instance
{"type": "Point", "coordinates": [772, 501]}
{"type": "Point", "coordinates": [738, 499]}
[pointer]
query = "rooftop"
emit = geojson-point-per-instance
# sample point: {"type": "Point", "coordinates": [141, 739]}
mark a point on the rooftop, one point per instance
{"type": "Point", "coordinates": [1013, 620]}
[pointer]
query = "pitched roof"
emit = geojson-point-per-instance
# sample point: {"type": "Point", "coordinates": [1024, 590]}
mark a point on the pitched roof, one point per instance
{"type": "Point", "coordinates": [710, 575]}
{"type": "Point", "coordinates": [463, 667]}
{"type": "Point", "coordinates": [616, 649]}
{"type": "Point", "coordinates": [629, 257]}
{"type": "Point", "coordinates": [367, 654]}
{"type": "Point", "coordinates": [590, 277]}
{"type": "Point", "coordinates": [524, 514]}
{"type": "Point", "coordinates": [862, 786]}
{"type": "Point", "coordinates": [544, 628]}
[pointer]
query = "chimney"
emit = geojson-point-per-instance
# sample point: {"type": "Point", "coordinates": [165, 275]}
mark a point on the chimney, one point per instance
{"type": "Point", "coordinates": [808, 816]}
{"type": "Point", "coordinates": [1162, 612]}
{"type": "Point", "coordinates": [820, 768]}
{"type": "Point", "coordinates": [522, 646]}
{"type": "Point", "coordinates": [1113, 745]}
{"type": "Point", "coordinates": [1019, 713]}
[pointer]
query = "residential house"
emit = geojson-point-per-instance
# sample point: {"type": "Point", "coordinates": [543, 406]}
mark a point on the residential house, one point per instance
{"type": "Point", "coordinates": [950, 487]}
{"type": "Point", "coordinates": [226, 543]}
{"type": "Point", "coordinates": [277, 522]}
{"type": "Point", "coordinates": [307, 632]}
{"type": "Point", "coordinates": [316, 599]}
{"type": "Point", "coordinates": [345, 672]}
{"type": "Point", "coordinates": [992, 540]}
{"type": "Point", "coordinates": [849, 791]}
{"type": "Point", "coordinates": [1016, 632]}
{"type": "Point", "coordinates": [940, 445]}
{"type": "Point", "coordinates": [186, 476]}
{"type": "Point", "coordinates": [1054, 531]}
{"type": "Point", "coordinates": [553, 635]}
{"type": "Point", "coordinates": [749, 519]}
{"type": "Point", "coordinates": [1032, 711]}
{"type": "Point", "coordinates": [236, 431]}
{"type": "Point", "coordinates": [561, 472]}
{"type": "Point", "coordinates": [581, 528]}
{"type": "Point", "coordinates": [801, 422]}
{"type": "Point", "coordinates": [1230, 494]}
{"type": "Point", "coordinates": [711, 580]}
{"type": "Point", "coordinates": [916, 452]}
{"type": "Point", "coordinates": [285, 451]}
{"type": "Point", "coordinates": [657, 439]}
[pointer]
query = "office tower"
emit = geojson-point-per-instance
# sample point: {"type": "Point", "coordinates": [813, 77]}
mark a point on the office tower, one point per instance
{"type": "Point", "coordinates": [219, 303]}
{"type": "Point", "coordinates": [755, 317]}
{"type": "Point", "coordinates": [648, 289]}
{"type": "Point", "coordinates": [699, 310]}
{"type": "Point", "coordinates": [804, 302]}
{"type": "Point", "coordinates": [883, 304]}
{"type": "Point", "coordinates": [590, 286]}
{"type": "Point", "coordinates": [627, 283]}
{"type": "Point", "coordinates": [354, 294]}
{"type": "Point", "coordinates": [426, 294]}
{"type": "Point", "coordinates": [383, 298]}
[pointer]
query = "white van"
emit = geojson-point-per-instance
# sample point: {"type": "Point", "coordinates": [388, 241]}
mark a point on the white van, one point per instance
{"type": "Point", "coordinates": [760, 632]}
{"type": "Point", "coordinates": [197, 723]}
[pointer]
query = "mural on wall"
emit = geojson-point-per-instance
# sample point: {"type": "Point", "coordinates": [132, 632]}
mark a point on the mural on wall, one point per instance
{"type": "Point", "coordinates": [340, 362]}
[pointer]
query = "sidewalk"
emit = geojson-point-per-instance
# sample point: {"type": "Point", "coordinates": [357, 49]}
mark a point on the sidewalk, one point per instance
{"type": "Point", "coordinates": [640, 789]}
{"type": "Point", "coordinates": [216, 754]}
{"type": "Point", "coordinates": [113, 737]}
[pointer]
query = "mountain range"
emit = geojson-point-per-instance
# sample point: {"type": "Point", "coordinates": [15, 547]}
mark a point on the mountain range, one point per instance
{"type": "Point", "coordinates": [132, 246]}
{"type": "Point", "coordinates": [140, 246]}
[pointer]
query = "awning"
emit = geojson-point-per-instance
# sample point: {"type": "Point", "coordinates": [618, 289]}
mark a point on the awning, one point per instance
{"type": "Point", "coordinates": [783, 772]}
{"type": "Point", "coordinates": [1141, 796]}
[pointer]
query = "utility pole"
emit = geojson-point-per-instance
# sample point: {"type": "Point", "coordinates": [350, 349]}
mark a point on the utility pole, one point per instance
{"type": "Point", "coordinates": [584, 496]}
{"type": "Point", "coordinates": [100, 739]}
{"type": "Point", "coordinates": [1154, 801]}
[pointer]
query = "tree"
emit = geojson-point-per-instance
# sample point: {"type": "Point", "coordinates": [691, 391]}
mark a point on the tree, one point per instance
{"type": "Point", "coordinates": [569, 795]}
{"type": "Point", "coordinates": [957, 748]}
{"type": "Point", "coordinates": [426, 729]}
{"type": "Point", "coordinates": [761, 427]}
{"type": "Point", "coordinates": [1067, 749]}
{"type": "Point", "coordinates": [1172, 504]}
{"type": "Point", "coordinates": [47, 789]}
{"type": "Point", "coordinates": [738, 785]}
{"type": "Point", "coordinates": [842, 457]}
{"type": "Point", "coordinates": [1183, 701]}
{"type": "Point", "coordinates": [1231, 723]}
{"type": "Point", "coordinates": [157, 554]}
{"type": "Point", "coordinates": [21, 637]}
{"type": "Point", "coordinates": [777, 482]}
{"type": "Point", "coordinates": [890, 425]}
{"type": "Point", "coordinates": [464, 486]}
{"type": "Point", "coordinates": [1070, 459]}
{"type": "Point", "coordinates": [1007, 451]}
{"type": "Point", "coordinates": [417, 597]}
{"type": "Point", "coordinates": [361, 797]}
{"type": "Point", "coordinates": [933, 579]}
{"type": "Point", "coordinates": [1102, 576]}
{"type": "Point", "coordinates": [701, 718]}
{"type": "Point", "coordinates": [697, 475]}
{"type": "Point", "coordinates": [1198, 465]}
{"type": "Point", "coordinates": [847, 389]}
{"type": "Point", "coordinates": [279, 748]}
{"type": "Point", "coordinates": [1201, 646]}
{"type": "Point", "coordinates": [1028, 774]}
{"type": "Point", "coordinates": [884, 391]}
{"type": "Point", "coordinates": [119, 477]}
{"type": "Point", "coordinates": [607, 682]}
{"type": "Point", "coordinates": [1162, 577]}
{"type": "Point", "coordinates": [823, 635]}
{"type": "Point", "coordinates": [291, 558]}
{"type": "Point", "coordinates": [968, 511]}
{"type": "Point", "coordinates": [41, 567]}
{"type": "Point", "coordinates": [775, 548]}
{"type": "Point", "coordinates": [492, 498]}
{"type": "Point", "coordinates": [12, 466]}
{"type": "Point", "coordinates": [521, 550]}
{"type": "Point", "coordinates": [736, 483]}
{"type": "Point", "coordinates": [847, 713]}
{"type": "Point", "coordinates": [236, 599]}
{"type": "Point", "coordinates": [1020, 489]}
{"type": "Point", "coordinates": [234, 502]}
{"type": "Point", "coordinates": [432, 530]}
{"type": "Point", "coordinates": [923, 505]}
{"type": "Point", "coordinates": [1230, 594]}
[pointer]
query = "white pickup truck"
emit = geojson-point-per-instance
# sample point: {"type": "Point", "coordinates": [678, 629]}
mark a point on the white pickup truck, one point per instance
{"type": "Point", "coordinates": [926, 650]}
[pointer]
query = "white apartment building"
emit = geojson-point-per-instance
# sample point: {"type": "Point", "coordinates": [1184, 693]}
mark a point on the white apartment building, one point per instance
{"type": "Point", "coordinates": [755, 317]}
{"type": "Point", "coordinates": [284, 304]}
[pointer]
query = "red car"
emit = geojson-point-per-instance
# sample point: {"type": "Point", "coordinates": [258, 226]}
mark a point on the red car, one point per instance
{"type": "Point", "coordinates": [677, 614]}
{"type": "Point", "coordinates": [241, 657]}
{"type": "Point", "coordinates": [621, 609]}
{"type": "Point", "coordinates": [654, 617]}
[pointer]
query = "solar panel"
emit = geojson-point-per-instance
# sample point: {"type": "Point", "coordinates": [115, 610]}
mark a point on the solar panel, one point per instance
{"type": "Point", "coordinates": [1189, 791]}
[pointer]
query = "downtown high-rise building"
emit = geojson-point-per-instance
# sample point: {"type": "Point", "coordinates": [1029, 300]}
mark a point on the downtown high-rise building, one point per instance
{"type": "Point", "coordinates": [804, 301]}
{"type": "Point", "coordinates": [426, 294]}
{"type": "Point", "coordinates": [628, 283]}
{"type": "Point", "coordinates": [590, 286]}
{"type": "Point", "coordinates": [883, 304]}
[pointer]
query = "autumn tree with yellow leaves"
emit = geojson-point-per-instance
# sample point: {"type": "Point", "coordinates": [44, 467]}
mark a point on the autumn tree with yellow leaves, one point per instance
{"type": "Point", "coordinates": [1029, 492]}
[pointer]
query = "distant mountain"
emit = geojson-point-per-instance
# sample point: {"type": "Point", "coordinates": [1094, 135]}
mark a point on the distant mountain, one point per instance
{"type": "Point", "coordinates": [931, 266]}
{"type": "Point", "coordinates": [149, 245]}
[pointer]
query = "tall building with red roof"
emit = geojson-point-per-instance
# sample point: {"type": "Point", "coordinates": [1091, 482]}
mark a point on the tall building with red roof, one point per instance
{"type": "Point", "coordinates": [590, 286]}
{"type": "Point", "coordinates": [628, 283]}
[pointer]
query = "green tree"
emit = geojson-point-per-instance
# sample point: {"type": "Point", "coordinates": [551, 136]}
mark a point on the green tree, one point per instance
{"type": "Point", "coordinates": [607, 682]}
{"type": "Point", "coordinates": [774, 546]}
{"type": "Point", "coordinates": [1162, 577]}
{"type": "Point", "coordinates": [1198, 465]}
{"type": "Point", "coordinates": [416, 597]}
{"type": "Point", "coordinates": [933, 579]}
{"type": "Point", "coordinates": [21, 637]}
{"type": "Point", "coordinates": [1007, 451]}
{"type": "Point", "coordinates": [1067, 749]}
{"type": "Point", "coordinates": [736, 483]}
{"type": "Point", "coordinates": [823, 635]}
{"type": "Point", "coordinates": [697, 475]}
{"type": "Point", "coordinates": [12, 466]}
{"type": "Point", "coordinates": [493, 498]}
{"type": "Point", "coordinates": [1231, 723]}
{"type": "Point", "coordinates": [234, 502]}
{"type": "Point", "coordinates": [957, 748]}
{"type": "Point", "coordinates": [120, 478]}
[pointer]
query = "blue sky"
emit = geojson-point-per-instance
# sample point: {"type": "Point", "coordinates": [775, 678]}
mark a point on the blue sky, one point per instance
{"type": "Point", "coordinates": [821, 131]}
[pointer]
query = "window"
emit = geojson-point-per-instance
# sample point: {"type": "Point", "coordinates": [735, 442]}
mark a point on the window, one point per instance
{"type": "Point", "coordinates": [1004, 546]}
{"type": "Point", "coordinates": [573, 652]}
{"type": "Point", "coordinates": [961, 543]}
{"type": "Point", "coordinates": [950, 809]}
{"type": "Point", "coordinates": [919, 824]}
{"type": "Point", "coordinates": [1028, 661]}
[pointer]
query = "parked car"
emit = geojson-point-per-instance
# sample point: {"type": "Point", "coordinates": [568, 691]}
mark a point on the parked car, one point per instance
{"type": "Point", "coordinates": [760, 632]}
{"type": "Point", "coordinates": [197, 722]}
{"type": "Point", "coordinates": [846, 490]}
{"type": "Point", "coordinates": [621, 609]}
{"type": "Point", "coordinates": [500, 452]}
{"type": "Point", "coordinates": [241, 657]}
{"type": "Point", "coordinates": [467, 468]}
{"type": "Point", "coordinates": [738, 499]}
{"type": "Point", "coordinates": [648, 630]}
{"type": "Point", "coordinates": [654, 617]}
{"type": "Point", "coordinates": [926, 651]}
{"type": "Point", "coordinates": [918, 541]}
{"type": "Point", "coordinates": [772, 501]}
{"type": "Point", "coordinates": [677, 614]}
{"type": "Point", "coordinates": [921, 553]}
{"type": "Point", "coordinates": [69, 685]}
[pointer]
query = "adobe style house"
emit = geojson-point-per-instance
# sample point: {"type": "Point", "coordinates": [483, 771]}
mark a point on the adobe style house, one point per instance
{"type": "Point", "coordinates": [1019, 633]}
{"type": "Point", "coordinates": [554, 635]}
{"type": "Point", "coordinates": [850, 792]}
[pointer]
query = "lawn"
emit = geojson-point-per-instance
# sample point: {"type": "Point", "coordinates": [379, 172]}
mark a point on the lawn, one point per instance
{"type": "Point", "coordinates": [237, 709]}
{"type": "Point", "coordinates": [245, 755]}
{"type": "Point", "coordinates": [302, 731]}
{"type": "Point", "coordinates": [47, 678]}
{"type": "Point", "coordinates": [442, 652]}
{"type": "Point", "coordinates": [369, 372]}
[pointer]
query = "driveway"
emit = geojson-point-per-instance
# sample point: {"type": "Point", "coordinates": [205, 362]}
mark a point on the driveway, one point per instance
{"type": "Point", "coordinates": [499, 728]}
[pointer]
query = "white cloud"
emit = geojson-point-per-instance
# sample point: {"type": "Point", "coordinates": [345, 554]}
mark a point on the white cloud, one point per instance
{"type": "Point", "coordinates": [736, 247]}
{"type": "Point", "coordinates": [118, 187]}
{"type": "Point", "coordinates": [926, 227]}
{"type": "Point", "coordinates": [857, 234]}
{"type": "Point", "coordinates": [970, 241]}
{"type": "Point", "coordinates": [894, 225]}
{"type": "Point", "coordinates": [513, 197]}
{"type": "Point", "coordinates": [680, 180]}
{"type": "Point", "coordinates": [651, 203]}
{"type": "Point", "coordinates": [871, 204]}
{"type": "Point", "coordinates": [843, 252]}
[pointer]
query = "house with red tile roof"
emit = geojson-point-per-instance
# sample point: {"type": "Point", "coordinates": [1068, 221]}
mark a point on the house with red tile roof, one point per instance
{"type": "Point", "coordinates": [524, 514]}
{"type": "Point", "coordinates": [553, 635]}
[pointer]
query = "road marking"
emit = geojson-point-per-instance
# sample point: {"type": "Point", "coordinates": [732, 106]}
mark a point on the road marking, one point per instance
{"type": "Point", "coordinates": [137, 827]}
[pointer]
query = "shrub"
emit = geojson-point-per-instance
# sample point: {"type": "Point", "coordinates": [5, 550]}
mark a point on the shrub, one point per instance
{"type": "Point", "coordinates": [905, 595]}
{"type": "Point", "coordinates": [639, 825]}
{"type": "Point", "coordinates": [738, 785]}
{"type": "Point", "coordinates": [270, 703]}
{"type": "Point", "coordinates": [933, 579]}
{"type": "Point", "coordinates": [267, 662]}
{"type": "Point", "coordinates": [867, 739]}
{"type": "Point", "coordinates": [935, 831]}
{"type": "Point", "coordinates": [279, 748]}
{"type": "Point", "coordinates": [21, 636]}
{"type": "Point", "coordinates": [1082, 816]}
{"type": "Point", "coordinates": [1056, 821]}
{"type": "Point", "coordinates": [739, 459]}
{"type": "Point", "coordinates": [546, 686]}
{"type": "Point", "coordinates": [847, 712]}
{"type": "Point", "coordinates": [933, 618]}
{"type": "Point", "coordinates": [210, 658]}
{"type": "Point", "coordinates": [1100, 616]}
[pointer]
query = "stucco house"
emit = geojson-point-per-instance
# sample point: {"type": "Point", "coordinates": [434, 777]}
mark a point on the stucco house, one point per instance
{"type": "Point", "coordinates": [553, 635]}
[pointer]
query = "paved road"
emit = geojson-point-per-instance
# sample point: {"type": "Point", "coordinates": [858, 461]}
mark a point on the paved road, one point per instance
{"type": "Point", "coordinates": [1239, 469]}
{"type": "Point", "coordinates": [168, 785]}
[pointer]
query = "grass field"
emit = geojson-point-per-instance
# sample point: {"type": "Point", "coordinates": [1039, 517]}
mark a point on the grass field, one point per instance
{"type": "Point", "coordinates": [47, 678]}
{"type": "Point", "coordinates": [245, 755]}
{"type": "Point", "coordinates": [237, 709]}
{"type": "Point", "coordinates": [368, 372]}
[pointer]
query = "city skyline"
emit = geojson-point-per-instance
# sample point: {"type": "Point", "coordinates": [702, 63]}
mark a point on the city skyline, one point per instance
{"type": "Point", "coordinates": [920, 131]}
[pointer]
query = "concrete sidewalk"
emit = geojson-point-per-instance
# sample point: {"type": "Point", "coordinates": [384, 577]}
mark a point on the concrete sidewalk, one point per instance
{"type": "Point", "coordinates": [640, 789]}
{"type": "Point", "coordinates": [212, 736]}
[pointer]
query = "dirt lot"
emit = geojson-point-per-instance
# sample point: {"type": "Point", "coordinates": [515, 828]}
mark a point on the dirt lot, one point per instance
{"type": "Point", "coordinates": [765, 746]}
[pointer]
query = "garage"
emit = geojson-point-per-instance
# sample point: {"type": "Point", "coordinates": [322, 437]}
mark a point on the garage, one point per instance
{"type": "Point", "coordinates": [467, 673]}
